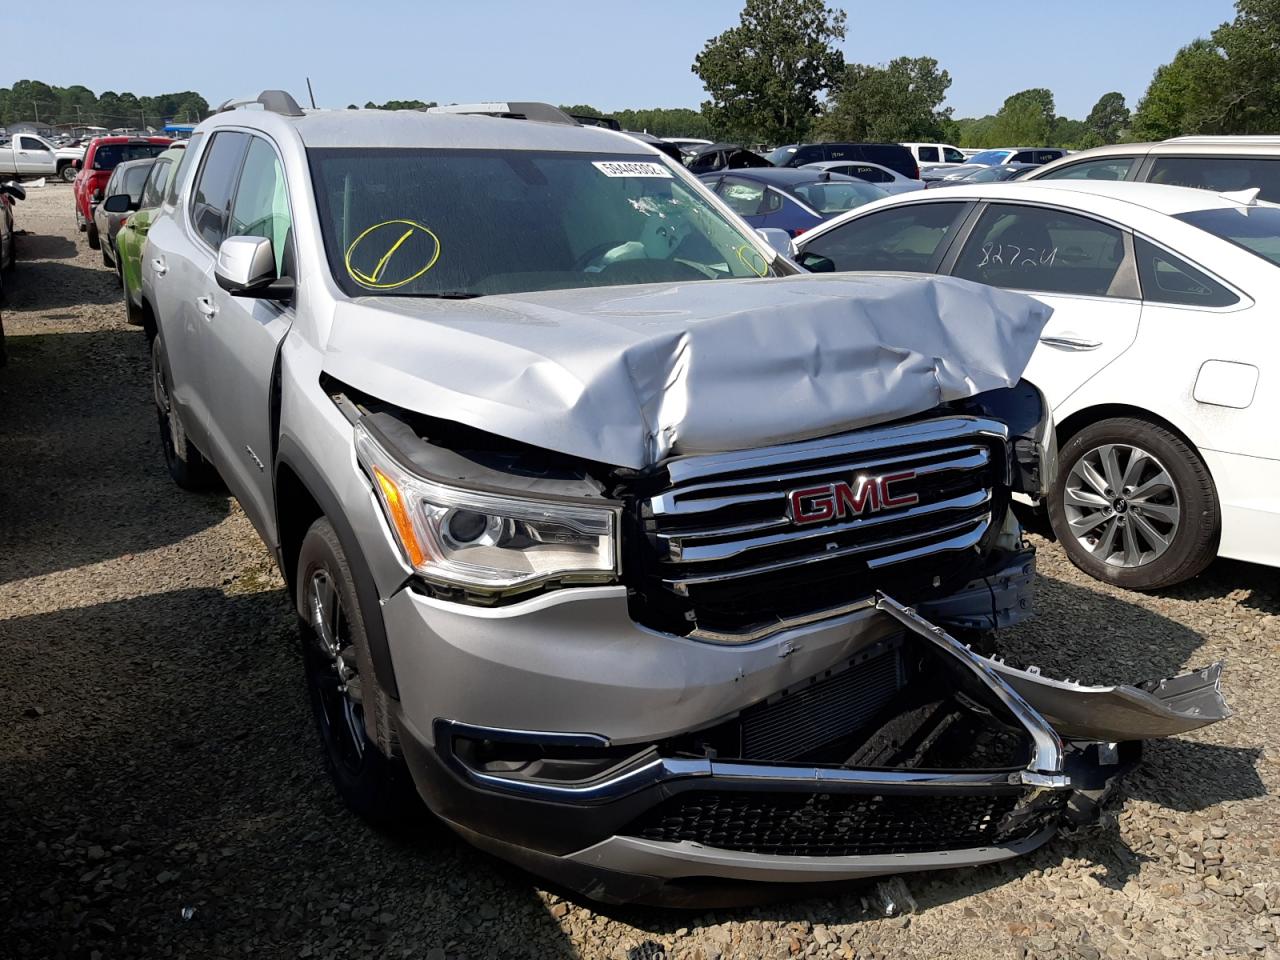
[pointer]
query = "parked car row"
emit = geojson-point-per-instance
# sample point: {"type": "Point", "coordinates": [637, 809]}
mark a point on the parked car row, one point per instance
{"type": "Point", "coordinates": [643, 556]}
{"type": "Point", "coordinates": [10, 192]}
{"type": "Point", "coordinates": [101, 158]}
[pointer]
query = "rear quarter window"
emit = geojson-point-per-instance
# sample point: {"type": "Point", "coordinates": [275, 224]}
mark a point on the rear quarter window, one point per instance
{"type": "Point", "coordinates": [1220, 174]}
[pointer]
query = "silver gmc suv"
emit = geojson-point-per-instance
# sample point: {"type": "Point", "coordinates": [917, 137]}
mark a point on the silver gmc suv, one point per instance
{"type": "Point", "coordinates": [646, 561]}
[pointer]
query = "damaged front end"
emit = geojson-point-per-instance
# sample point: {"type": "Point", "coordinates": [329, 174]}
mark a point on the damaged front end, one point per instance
{"type": "Point", "coordinates": [916, 754]}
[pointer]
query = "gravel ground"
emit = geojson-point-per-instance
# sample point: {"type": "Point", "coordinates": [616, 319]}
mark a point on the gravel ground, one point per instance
{"type": "Point", "coordinates": [162, 793]}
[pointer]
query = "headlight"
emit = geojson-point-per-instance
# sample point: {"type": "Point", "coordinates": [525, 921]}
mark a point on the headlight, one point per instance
{"type": "Point", "coordinates": [486, 541]}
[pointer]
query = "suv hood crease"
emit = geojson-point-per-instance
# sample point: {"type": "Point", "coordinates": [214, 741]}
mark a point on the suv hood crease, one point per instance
{"type": "Point", "coordinates": [632, 376]}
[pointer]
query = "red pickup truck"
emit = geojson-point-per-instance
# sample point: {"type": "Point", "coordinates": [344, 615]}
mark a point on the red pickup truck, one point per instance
{"type": "Point", "coordinates": [100, 158]}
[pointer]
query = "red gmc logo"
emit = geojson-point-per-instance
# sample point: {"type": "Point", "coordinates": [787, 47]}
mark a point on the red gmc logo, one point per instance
{"type": "Point", "coordinates": [833, 501]}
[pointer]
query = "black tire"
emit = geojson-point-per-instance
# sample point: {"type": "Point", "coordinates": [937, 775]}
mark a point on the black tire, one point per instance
{"type": "Point", "coordinates": [132, 314]}
{"type": "Point", "coordinates": [92, 232]}
{"type": "Point", "coordinates": [106, 256]}
{"type": "Point", "coordinates": [339, 673]}
{"type": "Point", "coordinates": [1191, 499]}
{"type": "Point", "coordinates": [67, 173]}
{"type": "Point", "coordinates": [187, 466]}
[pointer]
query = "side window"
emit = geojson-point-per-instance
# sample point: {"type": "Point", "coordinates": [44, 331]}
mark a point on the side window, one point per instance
{"type": "Point", "coordinates": [952, 155]}
{"type": "Point", "coordinates": [261, 207]}
{"type": "Point", "coordinates": [868, 173]}
{"type": "Point", "coordinates": [211, 199]}
{"type": "Point", "coordinates": [134, 178]}
{"type": "Point", "coordinates": [812, 154]}
{"type": "Point", "coordinates": [1048, 156]}
{"type": "Point", "coordinates": [927, 154]}
{"type": "Point", "coordinates": [1220, 174]}
{"type": "Point", "coordinates": [903, 238]}
{"type": "Point", "coordinates": [1035, 248]}
{"type": "Point", "coordinates": [153, 189]}
{"type": "Point", "coordinates": [1112, 168]}
{"type": "Point", "coordinates": [179, 173]}
{"type": "Point", "coordinates": [744, 197]}
{"type": "Point", "coordinates": [113, 184]}
{"type": "Point", "coordinates": [31, 143]}
{"type": "Point", "coordinates": [1024, 156]}
{"type": "Point", "coordinates": [1169, 279]}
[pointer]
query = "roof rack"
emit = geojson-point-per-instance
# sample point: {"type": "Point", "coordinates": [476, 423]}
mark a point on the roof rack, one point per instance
{"type": "Point", "coordinates": [1265, 139]}
{"type": "Point", "coordinates": [277, 101]}
{"type": "Point", "coordinates": [512, 110]}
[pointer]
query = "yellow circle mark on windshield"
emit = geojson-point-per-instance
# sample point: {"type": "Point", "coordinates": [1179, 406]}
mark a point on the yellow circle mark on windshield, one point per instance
{"type": "Point", "coordinates": [755, 263]}
{"type": "Point", "coordinates": [388, 250]}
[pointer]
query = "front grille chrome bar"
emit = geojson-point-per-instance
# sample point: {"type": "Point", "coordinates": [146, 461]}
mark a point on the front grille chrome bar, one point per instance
{"type": "Point", "coordinates": [978, 527]}
{"type": "Point", "coordinates": [683, 552]}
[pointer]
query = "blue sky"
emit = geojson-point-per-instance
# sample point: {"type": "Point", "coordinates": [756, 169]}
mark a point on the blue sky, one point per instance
{"type": "Point", "coordinates": [608, 54]}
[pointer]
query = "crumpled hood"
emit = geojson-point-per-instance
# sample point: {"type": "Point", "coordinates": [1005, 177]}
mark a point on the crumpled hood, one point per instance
{"type": "Point", "coordinates": [633, 375]}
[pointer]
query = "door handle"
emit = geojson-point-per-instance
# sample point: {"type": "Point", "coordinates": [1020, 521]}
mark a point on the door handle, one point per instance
{"type": "Point", "coordinates": [207, 307]}
{"type": "Point", "coordinates": [1071, 342]}
{"type": "Point", "coordinates": [158, 265]}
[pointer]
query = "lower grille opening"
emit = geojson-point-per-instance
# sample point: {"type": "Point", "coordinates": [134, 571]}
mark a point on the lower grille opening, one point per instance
{"type": "Point", "coordinates": [836, 825]}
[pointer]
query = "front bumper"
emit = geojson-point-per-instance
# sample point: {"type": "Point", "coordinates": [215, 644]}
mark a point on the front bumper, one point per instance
{"type": "Point", "coordinates": [644, 818]}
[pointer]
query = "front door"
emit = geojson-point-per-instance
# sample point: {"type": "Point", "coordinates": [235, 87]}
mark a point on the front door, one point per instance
{"type": "Point", "coordinates": [1081, 267]}
{"type": "Point", "coordinates": [242, 343]}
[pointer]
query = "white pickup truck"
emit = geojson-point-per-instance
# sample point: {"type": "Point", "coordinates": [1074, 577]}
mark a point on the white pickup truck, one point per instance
{"type": "Point", "coordinates": [31, 155]}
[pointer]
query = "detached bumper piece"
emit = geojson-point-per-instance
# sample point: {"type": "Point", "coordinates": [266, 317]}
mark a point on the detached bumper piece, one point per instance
{"type": "Point", "coordinates": [916, 754]}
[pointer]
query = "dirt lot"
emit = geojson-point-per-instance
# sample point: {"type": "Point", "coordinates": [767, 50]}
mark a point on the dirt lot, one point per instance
{"type": "Point", "coordinates": [162, 794]}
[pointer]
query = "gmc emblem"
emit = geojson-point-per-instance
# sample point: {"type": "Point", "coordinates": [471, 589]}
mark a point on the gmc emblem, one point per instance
{"type": "Point", "coordinates": [833, 501]}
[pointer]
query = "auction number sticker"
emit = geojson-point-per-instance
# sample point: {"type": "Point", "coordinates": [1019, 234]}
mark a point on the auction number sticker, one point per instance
{"type": "Point", "coordinates": [631, 168]}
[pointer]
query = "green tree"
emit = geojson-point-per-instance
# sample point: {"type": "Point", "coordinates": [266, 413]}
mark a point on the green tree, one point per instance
{"type": "Point", "coordinates": [900, 101]}
{"type": "Point", "coordinates": [764, 75]}
{"type": "Point", "coordinates": [1108, 118]}
{"type": "Point", "coordinates": [1248, 101]}
{"type": "Point", "coordinates": [1026, 119]}
{"type": "Point", "coordinates": [974, 132]}
{"type": "Point", "coordinates": [1183, 94]}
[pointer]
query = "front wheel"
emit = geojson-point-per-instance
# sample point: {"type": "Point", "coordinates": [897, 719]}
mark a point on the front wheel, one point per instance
{"type": "Point", "coordinates": [67, 173]}
{"type": "Point", "coordinates": [93, 237]}
{"type": "Point", "coordinates": [1134, 505]}
{"type": "Point", "coordinates": [340, 680]}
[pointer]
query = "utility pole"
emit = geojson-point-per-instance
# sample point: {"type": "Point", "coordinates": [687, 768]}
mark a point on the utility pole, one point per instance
{"type": "Point", "coordinates": [35, 105]}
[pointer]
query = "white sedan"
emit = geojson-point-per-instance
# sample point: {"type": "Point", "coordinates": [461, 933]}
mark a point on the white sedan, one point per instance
{"type": "Point", "coordinates": [888, 180]}
{"type": "Point", "coordinates": [1161, 360]}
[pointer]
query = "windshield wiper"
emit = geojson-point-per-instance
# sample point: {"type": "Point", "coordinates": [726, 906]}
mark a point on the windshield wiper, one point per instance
{"type": "Point", "coordinates": [449, 295]}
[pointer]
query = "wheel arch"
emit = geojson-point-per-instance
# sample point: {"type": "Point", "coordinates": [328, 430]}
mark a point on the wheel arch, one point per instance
{"type": "Point", "coordinates": [302, 496]}
{"type": "Point", "coordinates": [1086, 416]}
{"type": "Point", "coordinates": [150, 327]}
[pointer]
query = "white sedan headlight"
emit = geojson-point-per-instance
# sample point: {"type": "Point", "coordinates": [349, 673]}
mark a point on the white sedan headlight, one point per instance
{"type": "Point", "coordinates": [488, 542]}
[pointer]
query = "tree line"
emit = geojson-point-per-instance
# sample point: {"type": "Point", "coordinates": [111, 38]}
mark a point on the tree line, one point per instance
{"type": "Point", "coordinates": [78, 105]}
{"type": "Point", "coordinates": [778, 77]}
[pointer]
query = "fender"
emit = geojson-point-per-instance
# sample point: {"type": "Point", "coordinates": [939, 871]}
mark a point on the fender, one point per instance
{"type": "Point", "coordinates": [290, 454]}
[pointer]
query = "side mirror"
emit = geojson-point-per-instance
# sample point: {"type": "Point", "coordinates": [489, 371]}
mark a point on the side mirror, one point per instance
{"type": "Point", "coordinates": [13, 189]}
{"type": "Point", "coordinates": [119, 203]}
{"type": "Point", "coordinates": [779, 240]}
{"type": "Point", "coordinates": [77, 164]}
{"type": "Point", "coordinates": [97, 197]}
{"type": "Point", "coordinates": [816, 264]}
{"type": "Point", "coordinates": [246, 267]}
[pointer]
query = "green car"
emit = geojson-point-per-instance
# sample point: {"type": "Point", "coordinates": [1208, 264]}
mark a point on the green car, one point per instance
{"type": "Point", "coordinates": [133, 232]}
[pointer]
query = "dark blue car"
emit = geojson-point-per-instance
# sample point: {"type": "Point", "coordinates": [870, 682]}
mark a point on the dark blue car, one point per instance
{"type": "Point", "coordinates": [791, 199]}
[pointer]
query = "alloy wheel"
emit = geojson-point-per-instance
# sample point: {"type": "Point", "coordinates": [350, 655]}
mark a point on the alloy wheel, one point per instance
{"type": "Point", "coordinates": [1121, 505]}
{"type": "Point", "coordinates": [335, 673]}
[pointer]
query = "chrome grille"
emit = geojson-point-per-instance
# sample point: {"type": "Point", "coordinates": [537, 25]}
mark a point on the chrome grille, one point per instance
{"type": "Point", "coordinates": [721, 536]}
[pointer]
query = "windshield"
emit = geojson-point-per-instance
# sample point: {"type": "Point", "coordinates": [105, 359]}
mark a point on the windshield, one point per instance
{"type": "Point", "coordinates": [990, 156]}
{"type": "Point", "coordinates": [1256, 229]}
{"type": "Point", "coordinates": [109, 155]}
{"type": "Point", "coordinates": [831, 197]}
{"type": "Point", "coordinates": [780, 156]}
{"type": "Point", "coordinates": [458, 223]}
